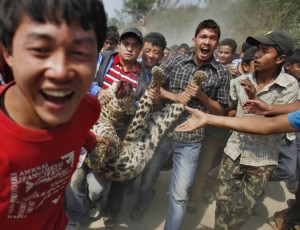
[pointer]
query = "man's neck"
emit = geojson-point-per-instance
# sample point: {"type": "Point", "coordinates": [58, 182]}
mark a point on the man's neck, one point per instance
{"type": "Point", "coordinates": [266, 78]}
{"type": "Point", "coordinates": [127, 66]}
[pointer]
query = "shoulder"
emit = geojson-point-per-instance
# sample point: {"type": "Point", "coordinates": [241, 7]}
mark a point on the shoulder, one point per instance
{"type": "Point", "coordinates": [175, 58]}
{"type": "Point", "coordinates": [89, 107]}
{"type": "Point", "coordinates": [108, 53]}
{"type": "Point", "coordinates": [286, 80]}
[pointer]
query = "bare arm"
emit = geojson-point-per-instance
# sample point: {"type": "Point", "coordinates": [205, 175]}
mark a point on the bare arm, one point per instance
{"type": "Point", "coordinates": [260, 107]}
{"type": "Point", "coordinates": [254, 125]}
{"type": "Point", "coordinates": [182, 97]}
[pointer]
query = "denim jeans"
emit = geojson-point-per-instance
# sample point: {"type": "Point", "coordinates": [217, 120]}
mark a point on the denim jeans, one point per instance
{"type": "Point", "coordinates": [151, 173]}
{"type": "Point", "coordinates": [75, 193]}
{"type": "Point", "coordinates": [185, 161]}
{"type": "Point", "coordinates": [212, 148]}
{"type": "Point", "coordinates": [287, 161]}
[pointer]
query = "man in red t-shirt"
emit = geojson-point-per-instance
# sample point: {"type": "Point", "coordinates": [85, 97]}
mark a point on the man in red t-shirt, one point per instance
{"type": "Point", "coordinates": [52, 50]}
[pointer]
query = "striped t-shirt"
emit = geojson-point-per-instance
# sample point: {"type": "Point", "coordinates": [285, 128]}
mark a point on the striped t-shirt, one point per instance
{"type": "Point", "coordinates": [116, 73]}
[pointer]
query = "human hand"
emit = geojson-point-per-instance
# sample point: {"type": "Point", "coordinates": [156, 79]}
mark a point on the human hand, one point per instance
{"type": "Point", "coordinates": [182, 97]}
{"type": "Point", "coordinates": [249, 88]}
{"type": "Point", "coordinates": [234, 72]}
{"type": "Point", "coordinates": [197, 120]}
{"type": "Point", "coordinates": [193, 90]}
{"type": "Point", "coordinates": [103, 96]}
{"type": "Point", "coordinates": [256, 107]}
{"type": "Point", "coordinates": [101, 140]}
{"type": "Point", "coordinates": [154, 95]}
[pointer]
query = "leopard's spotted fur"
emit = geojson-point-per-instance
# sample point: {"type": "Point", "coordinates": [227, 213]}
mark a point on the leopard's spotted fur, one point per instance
{"type": "Point", "coordinates": [142, 137]}
{"type": "Point", "coordinates": [122, 97]}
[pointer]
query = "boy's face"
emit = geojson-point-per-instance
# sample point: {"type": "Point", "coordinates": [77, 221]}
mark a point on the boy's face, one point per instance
{"type": "Point", "coordinates": [151, 55]}
{"type": "Point", "coordinates": [53, 66]}
{"type": "Point", "coordinates": [294, 70]}
{"type": "Point", "coordinates": [266, 58]}
{"type": "Point", "coordinates": [205, 44]}
{"type": "Point", "coordinates": [109, 45]}
{"type": "Point", "coordinates": [225, 54]}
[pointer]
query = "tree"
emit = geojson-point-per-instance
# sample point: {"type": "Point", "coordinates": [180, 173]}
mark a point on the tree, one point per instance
{"type": "Point", "coordinates": [133, 7]}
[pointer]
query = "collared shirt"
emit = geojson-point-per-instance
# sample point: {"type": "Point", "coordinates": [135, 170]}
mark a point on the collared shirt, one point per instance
{"type": "Point", "coordinates": [259, 150]}
{"type": "Point", "coordinates": [178, 72]}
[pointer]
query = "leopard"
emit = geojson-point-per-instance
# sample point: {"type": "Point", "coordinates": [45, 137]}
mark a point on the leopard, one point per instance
{"type": "Point", "coordinates": [130, 156]}
{"type": "Point", "coordinates": [121, 103]}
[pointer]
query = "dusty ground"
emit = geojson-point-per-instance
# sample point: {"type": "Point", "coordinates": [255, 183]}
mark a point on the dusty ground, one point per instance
{"type": "Point", "coordinates": [274, 199]}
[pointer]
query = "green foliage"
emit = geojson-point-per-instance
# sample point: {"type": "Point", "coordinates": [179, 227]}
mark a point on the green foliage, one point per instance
{"type": "Point", "coordinates": [135, 6]}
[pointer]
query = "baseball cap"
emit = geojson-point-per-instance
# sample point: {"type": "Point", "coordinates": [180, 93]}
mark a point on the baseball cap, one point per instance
{"type": "Point", "coordinates": [275, 38]}
{"type": "Point", "coordinates": [134, 31]}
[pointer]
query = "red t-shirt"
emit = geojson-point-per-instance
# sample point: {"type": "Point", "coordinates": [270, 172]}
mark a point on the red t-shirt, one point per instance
{"type": "Point", "coordinates": [36, 165]}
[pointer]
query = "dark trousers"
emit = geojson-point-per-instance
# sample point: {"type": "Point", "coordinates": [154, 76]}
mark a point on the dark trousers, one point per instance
{"type": "Point", "coordinates": [293, 217]}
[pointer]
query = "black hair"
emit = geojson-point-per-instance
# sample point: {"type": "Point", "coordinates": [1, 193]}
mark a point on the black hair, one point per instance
{"type": "Point", "coordinates": [249, 55]}
{"type": "Point", "coordinates": [156, 39]}
{"type": "Point", "coordinates": [297, 51]}
{"type": "Point", "coordinates": [90, 13]}
{"type": "Point", "coordinates": [113, 34]}
{"type": "Point", "coordinates": [185, 46]}
{"type": "Point", "coordinates": [208, 24]}
{"type": "Point", "coordinates": [246, 46]}
{"type": "Point", "coordinates": [112, 28]}
{"type": "Point", "coordinates": [295, 58]}
{"type": "Point", "coordinates": [174, 48]}
{"type": "Point", "coordinates": [229, 42]}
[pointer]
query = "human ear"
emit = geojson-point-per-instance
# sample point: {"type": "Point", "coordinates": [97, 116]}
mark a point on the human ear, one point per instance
{"type": "Point", "coordinates": [280, 59]}
{"type": "Point", "coordinates": [193, 40]}
{"type": "Point", "coordinates": [287, 66]}
{"type": "Point", "coordinates": [7, 56]}
{"type": "Point", "coordinates": [245, 67]}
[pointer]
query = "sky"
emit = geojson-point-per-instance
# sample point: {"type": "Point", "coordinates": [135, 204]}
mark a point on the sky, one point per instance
{"type": "Point", "coordinates": [110, 5]}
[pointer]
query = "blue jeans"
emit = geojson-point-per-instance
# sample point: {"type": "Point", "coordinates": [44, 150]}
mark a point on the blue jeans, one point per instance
{"type": "Point", "coordinates": [287, 161]}
{"type": "Point", "coordinates": [151, 173]}
{"type": "Point", "coordinates": [75, 193]}
{"type": "Point", "coordinates": [185, 161]}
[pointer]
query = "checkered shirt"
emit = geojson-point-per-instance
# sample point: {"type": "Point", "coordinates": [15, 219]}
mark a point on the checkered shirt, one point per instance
{"type": "Point", "coordinates": [259, 150]}
{"type": "Point", "coordinates": [178, 73]}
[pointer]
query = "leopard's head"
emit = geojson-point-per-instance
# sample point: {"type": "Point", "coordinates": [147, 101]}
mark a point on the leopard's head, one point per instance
{"type": "Point", "coordinates": [122, 98]}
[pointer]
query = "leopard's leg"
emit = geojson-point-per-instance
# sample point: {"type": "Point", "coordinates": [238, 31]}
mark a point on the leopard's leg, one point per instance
{"type": "Point", "coordinates": [138, 126]}
{"type": "Point", "coordinates": [161, 122]}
